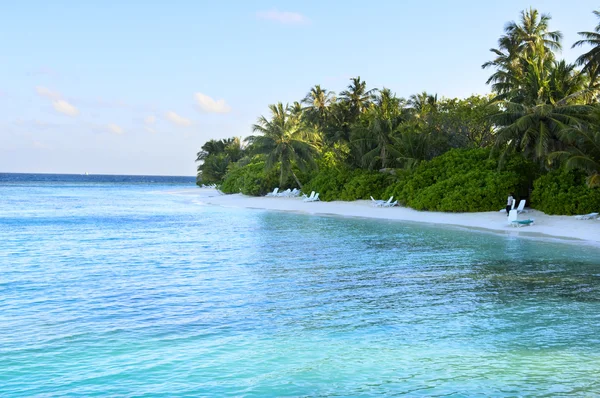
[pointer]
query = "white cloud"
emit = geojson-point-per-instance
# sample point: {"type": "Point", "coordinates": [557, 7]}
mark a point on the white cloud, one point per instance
{"type": "Point", "coordinates": [178, 120]}
{"type": "Point", "coordinates": [115, 129]}
{"type": "Point", "coordinates": [63, 106]}
{"type": "Point", "coordinates": [283, 17]}
{"type": "Point", "coordinates": [150, 119]}
{"type": "Point", "coordinates": [46, 92]}
{"type": "Point", "coordinates": [208, 104]}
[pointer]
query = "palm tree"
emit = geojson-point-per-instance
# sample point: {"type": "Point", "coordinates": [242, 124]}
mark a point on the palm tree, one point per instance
{"type": "Point", "coordinates": [507, 63]}
{"type": "Point", "coordinates": [285, 140]}
{"type": "Point", "coordinates": [533, 34]}
{"type": "Point", "coordinates": [358, 96]}
{"type": "Point", "coordinates": [584, 152]}
{"type": "Point", "coordinates": [318, 101]}
{"type": "Point", "coordinates": [534, 130]}
{"type": "Point", "coordinates": [591, 59]}
{"type": "Point", "coordinates": [373, 135]}
{"type": "Point", "coordinates": [423, 103]}
{"type": "Point", "coordinates": [527, 47]}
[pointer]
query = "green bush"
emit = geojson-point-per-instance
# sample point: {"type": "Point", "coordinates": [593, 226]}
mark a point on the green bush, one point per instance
{"type": "Point", "coordinates": [251, 179]}
{"type": "Point", "coordinates": [343, 184]}
{"type": "Point", "coordinates": [365, 184]}
{"type": "Point", "coordinates": [460, 181]}
{"type": "Point", "coordinates": [562, 192]}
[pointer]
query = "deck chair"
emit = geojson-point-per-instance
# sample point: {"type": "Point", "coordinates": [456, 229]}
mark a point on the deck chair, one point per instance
{"type": "Point", "coordinates": [390, 204]}
{"type": "Point", "coordinates": [512, 216]}
{"type": "Point", "coordinates": [521, 208]}
{"type": "Point", "coordinates": [309, 198]}
{"type": "Point", "coordinates": [274, 193]}
{"type": "Point", "coordinates": [377, 202]}
{"type": "Point", "coordinates": [588, 216]}
{"type": "Point", "coordinates": [522, 223]}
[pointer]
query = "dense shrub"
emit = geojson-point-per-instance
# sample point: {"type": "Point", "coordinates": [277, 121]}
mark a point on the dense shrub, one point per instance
{"type": "Point", "coordinates": [460, 181]}
{"type": "Point", "coordinates": [562, 192]}
{"type": "Point", "coordinates": [344, 184]}
{"type": "Point", "coordinates": [250, 179]}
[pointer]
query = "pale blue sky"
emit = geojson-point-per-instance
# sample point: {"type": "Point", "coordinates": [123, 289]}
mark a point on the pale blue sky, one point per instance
{"type": "Point", "coordinates": [136, 87]}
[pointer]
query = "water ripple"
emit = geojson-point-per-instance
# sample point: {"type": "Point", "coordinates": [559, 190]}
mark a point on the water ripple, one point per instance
{"type": "Point", "coordinates": [123, 290]}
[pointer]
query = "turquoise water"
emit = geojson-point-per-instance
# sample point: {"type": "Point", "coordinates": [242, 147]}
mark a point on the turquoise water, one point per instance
{"type": "Point", "coordinates": [123, 288]}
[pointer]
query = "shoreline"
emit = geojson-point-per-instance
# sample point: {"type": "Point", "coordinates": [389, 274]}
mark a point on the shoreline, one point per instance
{"type": "Point", "coordinates": [564, 228]}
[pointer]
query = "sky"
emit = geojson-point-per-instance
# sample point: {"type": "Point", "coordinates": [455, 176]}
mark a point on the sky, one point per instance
{"type": "Point", "coordinates": [138, 86]}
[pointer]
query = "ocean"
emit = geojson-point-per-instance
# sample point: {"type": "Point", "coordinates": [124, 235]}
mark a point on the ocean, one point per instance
{"type": "Point", "coordinates": [131, 286]}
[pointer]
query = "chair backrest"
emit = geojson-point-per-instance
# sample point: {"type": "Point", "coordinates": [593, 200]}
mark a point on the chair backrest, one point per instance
{"type": "Point", "coordinates": [390, 200]}
{"type": "Point", "coordinates": [521, 205]}
{"type": "Point", "coordinates": [316, 197]}
{"type": "Point", "coordinates": [312, 195]}
{"type": "Point", "coordinates": [513, 204]}
{"type": "Point", "coordinates": [512, 216]}
{"type": "Point", "coordinates": [275, 191]}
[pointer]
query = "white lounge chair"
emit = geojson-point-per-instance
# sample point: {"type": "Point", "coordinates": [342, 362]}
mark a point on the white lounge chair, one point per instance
{"type": "Point", "coordinates": [390, 204]}
{"type": "Point", "coordinates": [521, 208]}
{"type": "Point", "coordinates": [514, 221]}
{"type": "Point", "coordinates": [274, 193]}
{"type": "Point", "coordinates": [588, 216]}
{"type": "Point", "coordinates": [377, 202]}
{"type": "Point", "coordinates": [512, 216]}
{"type": "Point", "coordinates": [285, 193]}
{"type": "Point", "coordinates": [309, 198]}
{"type": "Point", "coordinates": [314, 198]}
{"type": "Point", "coordinates": [295, 192]}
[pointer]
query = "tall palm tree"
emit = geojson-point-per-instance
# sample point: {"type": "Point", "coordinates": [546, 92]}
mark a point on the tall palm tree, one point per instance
{"type": "Point", "coordinates": [534, 130]}
{"type": "Point", "coordinates": [591, 59]}
{"type": "Point", "coordinates": [526, 47]}
{"type": "Point", "coordinates": [318, 101]}
{"type": "Point", "coordinates": [373, 134]}
{"type": "Point", "coordinates": [533, 34]}
{"type": "Point", "coordinates": [358, 96]}
{"type": "Point", "coordinates": [285, 140]}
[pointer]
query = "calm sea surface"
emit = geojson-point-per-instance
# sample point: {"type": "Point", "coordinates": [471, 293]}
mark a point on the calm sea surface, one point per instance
{"type": "Point", "coordinates": [114, 286]}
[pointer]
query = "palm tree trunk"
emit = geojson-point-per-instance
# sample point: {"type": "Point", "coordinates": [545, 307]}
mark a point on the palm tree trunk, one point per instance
{"type": "Point", "coordinates": [296, 178]}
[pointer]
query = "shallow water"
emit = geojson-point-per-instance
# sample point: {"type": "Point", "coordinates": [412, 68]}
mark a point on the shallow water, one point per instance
{"type": "Point", "coordinates": [123, 288]}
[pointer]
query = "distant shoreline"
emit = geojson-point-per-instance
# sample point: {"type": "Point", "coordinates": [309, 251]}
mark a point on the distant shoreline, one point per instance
{"type": "Point", "coordinates": [566, 228]}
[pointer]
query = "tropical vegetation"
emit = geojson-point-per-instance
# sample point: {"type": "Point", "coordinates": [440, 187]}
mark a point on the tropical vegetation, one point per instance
{"type": "Point", "coordinates": [537, 134]}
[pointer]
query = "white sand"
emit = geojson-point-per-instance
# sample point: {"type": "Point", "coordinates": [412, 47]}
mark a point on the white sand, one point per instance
{"type": "Point", "coordinates": [544, 225]}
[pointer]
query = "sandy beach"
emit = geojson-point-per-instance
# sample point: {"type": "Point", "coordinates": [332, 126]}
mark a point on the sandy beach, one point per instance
{"type": "Point", "coordinates": [563, 227]}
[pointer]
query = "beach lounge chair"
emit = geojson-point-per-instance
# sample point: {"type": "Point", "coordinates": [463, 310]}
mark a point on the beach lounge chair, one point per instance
{"type": "Point", "coordinates": [521, 223]}
{"type": "Point", "coordinates": [274, 193]}
{"type": "Point", "coordinates": [309, 198]}
{"type": "Point", "coordinates": [588, 216]}
{"type": "Point", "coordinates": [285, 193]}
{"type": "Point", "coordinates": [512, 216]}
{"type": "Point", "coordinates": [314, 198]}
{"type": "Point", "coordinates": [521, 208]}
{"type": "Point", "coordinates": [515, 222]}
{"type": "Point", "coordinates": [295, 192]}
{"type": "Point", "coordinates": [388, 203]}
{"type": "Point", "coordinates": [392, 204]}
{"type": "Point", "coordinates": [377, 202]}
